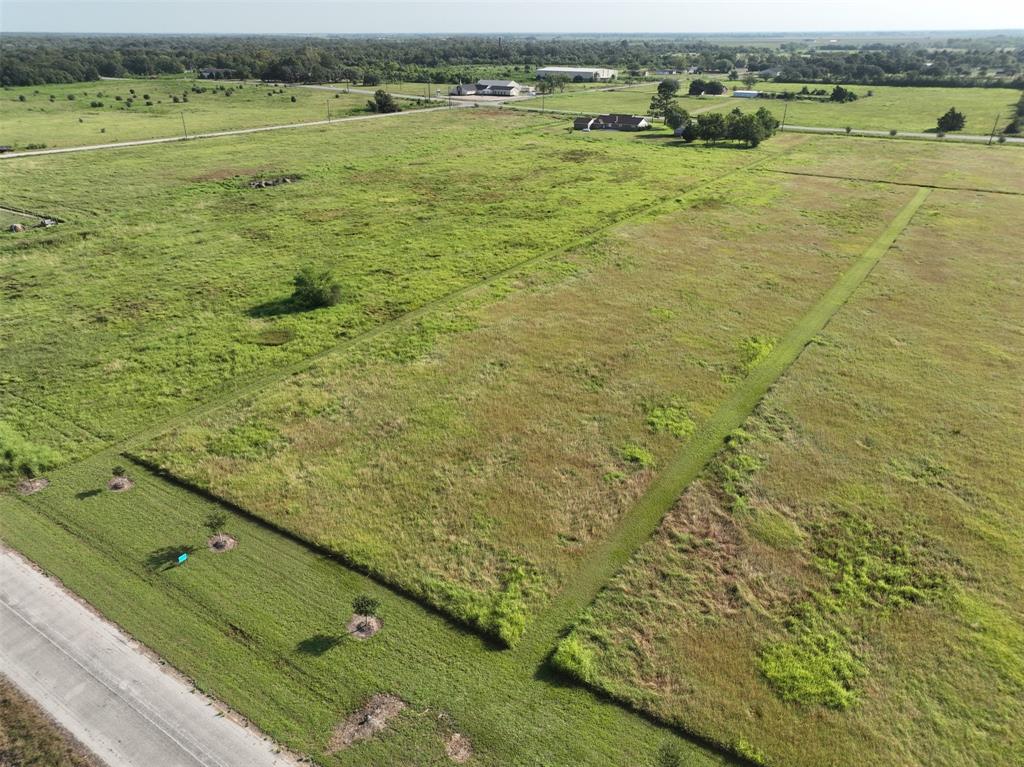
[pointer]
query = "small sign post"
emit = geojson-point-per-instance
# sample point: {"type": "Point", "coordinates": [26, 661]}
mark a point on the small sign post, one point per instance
{"type": "Point", "coordinates": [182, 558]}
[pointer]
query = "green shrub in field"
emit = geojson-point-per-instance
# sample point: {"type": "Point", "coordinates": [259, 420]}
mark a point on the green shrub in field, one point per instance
{"type": "Point", "coordinates": [812, 668]}
{"type": "Point", "coordinates": [507, 618]}
{"type": "Point", "coordinates": [753, 351]}
{"type": "Point", "coordinates": [637, 455]}
{"type": "Point", "coordinates": [314, 289]}
{"type": "Point", "coordinates": [671, 418]}
{"type": "Point", "coordinates": [573, 658]}
{"type": "Point", "coordinates": [19, 456]}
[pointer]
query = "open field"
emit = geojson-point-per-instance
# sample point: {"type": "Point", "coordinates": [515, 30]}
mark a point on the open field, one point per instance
{"type": "Point", "coordinates": [505, 442]}
{"type": "Point", "coordinates": [840, 587]}
{"type": "Point", "coordinates": [29, 738]}
{"type": "Point", "coordinates": [156, 311]}
{"type": "Point", "coordinates": [909, 109]}
{"type": "Point", "coordinates": [543, 339]}
{"type": "Point", "coordinates": [62, 122]}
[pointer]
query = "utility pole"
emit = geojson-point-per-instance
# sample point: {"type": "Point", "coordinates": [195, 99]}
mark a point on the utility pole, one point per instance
{"type": "Point", "coordinates": [785, 109]}
{"type": "Point", "coordinates": [183, 125]}
{"type": "Point", "coordinates": [992, 135]}
{"type": "Point", "coordinates": [328, 110]}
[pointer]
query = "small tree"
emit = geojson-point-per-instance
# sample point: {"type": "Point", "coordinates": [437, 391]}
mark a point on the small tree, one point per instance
{"type": "Point", "coordinates": [951, 121]}
{"type": "Point", "coordinates": [119, 471]}
{"type": "Point", "coordinates": [364, 604]}
{"type": "Point", "coordinates": [216, 521]}
{"type": "Point", "coordinates": [749, 79]}
{"type": "Point", "coordinates": [314, 289]}
{"type": "Point", "coordinates": [382, 102]}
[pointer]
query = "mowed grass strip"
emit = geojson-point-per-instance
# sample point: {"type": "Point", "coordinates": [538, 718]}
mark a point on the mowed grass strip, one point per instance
{"type": "Point", "coordinates": [262, 627]}
{"type": "Point", "coordinates": [170, 277]}
{"type": "Point", "coordinates": [475, 456]}
{"type": "Point", "coordinates": [840, 586]}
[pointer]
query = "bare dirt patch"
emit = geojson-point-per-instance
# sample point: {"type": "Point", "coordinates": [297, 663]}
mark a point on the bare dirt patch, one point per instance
{"type": "Point", "coordinates": [458, 748]}
{"type": "Point", "coordinates": [29, 486]}
{"type": "Point", "coordinates": [363, 626]}
{"type": "Point", "coordinates": [120, 484]}
{"type": "Point", "coordinates": [367, 722]}
{"type": "Point", "coordinates": [221, 542]}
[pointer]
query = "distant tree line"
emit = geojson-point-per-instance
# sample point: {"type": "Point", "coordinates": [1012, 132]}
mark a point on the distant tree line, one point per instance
{"type": "Point", "coordinates": [38, 59]}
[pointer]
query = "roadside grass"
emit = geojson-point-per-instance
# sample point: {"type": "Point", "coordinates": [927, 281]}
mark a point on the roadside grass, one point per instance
{"type": "Point", "coordinates": [913, 109]}
{"type": "Point", "coordinates": [841, 586]}
{"type": "Point", "coordinates": [262, 627]}
{"type": "Point", "coordinates": [64, 122]}
{"type": "Point", "coordinates": [475, 456]}
{"type": "Point", "coordinates": [29, 737]}
{"type": "Point", "coordinates": [170, 278]}
{"type": "Point", "coordinates": [994, 168]}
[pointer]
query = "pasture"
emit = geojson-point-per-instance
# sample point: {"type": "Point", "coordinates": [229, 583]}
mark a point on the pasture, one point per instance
{"type": "Point", "coordinates": [849, 555]}
{"type": "Point", "coordinates": [97, 113]}
{"type": "Point", "coordinates": [542, 337]}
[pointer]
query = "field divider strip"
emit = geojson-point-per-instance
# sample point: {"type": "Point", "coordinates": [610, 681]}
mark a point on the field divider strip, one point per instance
{"type": "Point", "coordinates": [642, 521]}
{"type": "Point", "coordinates": [257, 382]}
{"type": "Point", "coordinates": [893, 183]}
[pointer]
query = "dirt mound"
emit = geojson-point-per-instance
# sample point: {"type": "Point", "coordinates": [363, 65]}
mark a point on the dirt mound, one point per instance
{"type": "Point", "coordinates": [366, 722]}
{"type": "Point", "coordinates": [458, 748]}
{"type": "Point", "coordinates": [120, 484]}
{"type": "Point", "coordinates": [29, 486]}
{"type": "Point", "coordinates": [221, 542]}
{"type": "Point", "coordinates": [264, 183]}
{"type": "Point", "coordinates": [363, 626]}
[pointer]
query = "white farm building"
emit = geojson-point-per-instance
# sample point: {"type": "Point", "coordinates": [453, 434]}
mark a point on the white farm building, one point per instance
{"type": "Point", "coordinates": [579, 74]}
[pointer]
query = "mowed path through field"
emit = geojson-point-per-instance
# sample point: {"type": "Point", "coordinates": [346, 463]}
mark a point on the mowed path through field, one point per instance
{"type": "Point", "coordinates": [642, 521]}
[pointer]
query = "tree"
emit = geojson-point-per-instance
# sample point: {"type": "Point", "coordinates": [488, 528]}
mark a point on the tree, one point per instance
{"type": "Point", "coordinates": [676, 117]}
{"type": "Point", "coordinates": [711, 127]}
{"type": "Point", "coordinates": [689, 134]}
{"type": "Point", "coordinates": [951, 121]}
{"type": "Point", "coordinates": [215, 521]}
{"type": "Point", "coordinates": [383, 102]}
{"type": "Point", "coordinates": [842, 95]}
{"type": "Point", "coordinates": [745, 127]}
{"type": "Point", "coordinates": [749, 79]}
{"type": "Point", "coordinates": [767, 120]}
{"type": "Point", "coordinates": [365, 605]}
{"type": "Point", "coordinates": [314, 289]}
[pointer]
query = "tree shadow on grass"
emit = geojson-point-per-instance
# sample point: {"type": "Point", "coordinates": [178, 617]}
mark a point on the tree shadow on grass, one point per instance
{"type": "Point", "coordinates": [88, 494]}
{"type": "Point", "coordinates": [166, 557]}
{"type": "Point", "coordinates": [277, 307]}
{"type": "Point", "coordinates": [318, 644]}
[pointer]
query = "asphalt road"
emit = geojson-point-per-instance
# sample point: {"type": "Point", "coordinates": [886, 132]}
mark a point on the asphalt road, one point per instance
{"type": "Point", "coordinates": [104, 689]}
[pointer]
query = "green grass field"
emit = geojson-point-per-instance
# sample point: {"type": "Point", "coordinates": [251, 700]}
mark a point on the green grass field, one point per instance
{"type": "Point", "coordinates": [175, 280]}
{"type": "Point", "coordinates": [849, 557]}
{"type": "Point", "coordinates": [905, 109]}
{"type": "Point", "coordinates": [505, 442]}
{"type": "Point", "coordinates": [63, 122]}
{"type": "Point", "coordinates": [544, 338]}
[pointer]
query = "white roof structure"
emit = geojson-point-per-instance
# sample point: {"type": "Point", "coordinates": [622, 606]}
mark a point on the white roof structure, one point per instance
{"type": "Point", "coordinates": [588, 73]}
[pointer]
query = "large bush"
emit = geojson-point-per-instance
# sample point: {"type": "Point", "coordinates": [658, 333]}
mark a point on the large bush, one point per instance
{"type": "Point", "coordinates": [314, 289]}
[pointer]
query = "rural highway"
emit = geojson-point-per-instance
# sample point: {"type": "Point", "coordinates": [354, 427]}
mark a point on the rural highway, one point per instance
{"type": "Point", "coordinates": [112, 696]}
{"type": "Point", "coordinates": [216, 134]}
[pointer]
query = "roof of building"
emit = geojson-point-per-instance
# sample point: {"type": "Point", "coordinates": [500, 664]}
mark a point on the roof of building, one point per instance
{"type": "Point", "coordinates": [498, 83]}
{"type": "Point", "coordinates": [573, 69]}
{"type": "Point", "coordinates": [626, 119]}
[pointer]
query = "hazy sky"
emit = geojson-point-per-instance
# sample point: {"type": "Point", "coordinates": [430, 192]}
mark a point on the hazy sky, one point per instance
{"type": "Point", "coordinates": [492, 16]}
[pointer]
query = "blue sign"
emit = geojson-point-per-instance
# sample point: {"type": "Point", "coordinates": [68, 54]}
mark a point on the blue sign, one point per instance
{"type": "Point", "coordinates": [182, 558]}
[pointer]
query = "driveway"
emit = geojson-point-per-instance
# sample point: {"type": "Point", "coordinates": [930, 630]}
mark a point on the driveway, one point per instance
{"type": "Point", "coordinates": [102, 687]}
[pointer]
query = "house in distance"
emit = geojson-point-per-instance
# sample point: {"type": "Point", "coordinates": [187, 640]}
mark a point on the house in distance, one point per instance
{"type": "Point", "coordinates": [487, 88]}
{"type": "Point", "coordinates": [611, 122]}
{"type": "Point", "coordinates": [579, 74]}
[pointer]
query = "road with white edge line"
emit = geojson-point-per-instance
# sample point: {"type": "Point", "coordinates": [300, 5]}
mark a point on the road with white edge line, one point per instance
{"type": "Point", "coordinates": [97, 683]}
